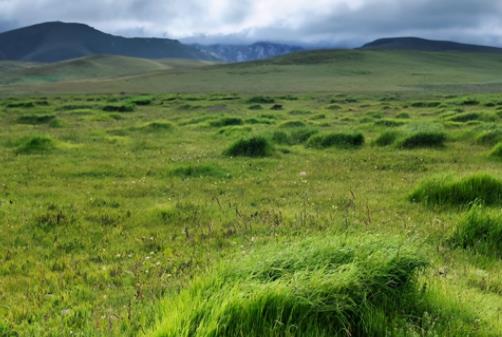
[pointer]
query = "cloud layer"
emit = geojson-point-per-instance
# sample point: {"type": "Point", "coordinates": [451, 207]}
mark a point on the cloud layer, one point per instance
{"type": "Point", "coordinates": [332, 22]}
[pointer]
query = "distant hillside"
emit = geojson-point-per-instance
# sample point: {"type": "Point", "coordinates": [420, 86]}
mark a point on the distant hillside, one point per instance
{"type": "Point", "coordinates": [413, 43]}
{"type": "Point", "coordinates": [93, 68]}
{"type": "Point", "coordinates": [244, 53]}
{"type": "Point", "coordinates": [57, 41]}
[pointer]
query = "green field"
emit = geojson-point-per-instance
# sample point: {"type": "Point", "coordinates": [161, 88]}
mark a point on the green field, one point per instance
{"type": "Point", "coordinates": [343, 193]}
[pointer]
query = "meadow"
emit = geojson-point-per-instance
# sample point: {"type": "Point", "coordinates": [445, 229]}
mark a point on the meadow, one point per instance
{"type": "Point", "coordinates": [127, 215]}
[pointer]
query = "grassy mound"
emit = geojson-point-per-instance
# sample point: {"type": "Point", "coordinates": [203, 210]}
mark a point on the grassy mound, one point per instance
{"type": "Point", "coordinates": [319, 287]}
{"type": "Point", "coordinates": [480, 231]}
{"type": "Point", "coordinates": [294, 137]}
{"type": "Point", "coordinates": [491, 137]}
{"type": "Point", "coordinates": [226, 121]}
{"type": "Point", "coordinates": [387, 138]}
{"type": "Point", "coordinates": [141, 100]}
{"type": "Point", "coordinates": [341, 140]}
{"type": "Point", "coordinates": [496, 153]}
{"type": "Point", "coordinates": [36, 119]}
{"type": "Point", "coordinates": [461, 192]}
{"type": "Point", "coordinates": [199, 171]}
{"type": "Point", "coordinates": [292, 124]}
{"type": "Point", "coordinates": [465, 117]}
{"type": "Point", "coordinates": [36, 144]}
{"type": "Point", "coordinates": [119, 107]}
{"type": "Point", "coordinates": [424, 139]}
{"type": "Point", "coordinates": [250, 147]}
{"type": "Point", "coordinates": [156, 126]}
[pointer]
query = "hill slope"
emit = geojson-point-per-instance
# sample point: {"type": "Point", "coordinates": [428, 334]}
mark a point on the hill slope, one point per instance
{"type": "Point", "coordinates": [57, 41]}
{"type": "Point", "coordinates": [414, 43]}
{"type": "Point", "coordinates": [95, 68]}
{"type": "Point", "coordinates": [319, 71]}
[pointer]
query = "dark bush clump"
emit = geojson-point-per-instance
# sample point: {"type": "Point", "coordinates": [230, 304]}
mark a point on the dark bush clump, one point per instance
{"type": "Point", "coordinates": [250, 147]}
{"type": "Point", "coordinates": [141, 100]}
{"type": "Point", "coordinates": [490, 137]}
{"type": "Point", "coordinates": [462, 192]}
{"type": "Point", "coordinates": [276, 107]}
{"type": "Point", "coordinates": [261, 100]}
{"type": "Point", "coordinates": [36, 119]}
{"type": "Point", "coordinates": [119, 107]}
{"type": "Point", "coordinates": [425, 104]}
{"type": "Point", "coordinates": [255, 107]}
{"type": "Point", "coordinates": [481, 231]}
{"type": "Point", "coordinates": [465, 117]}
{"type": "Point", "coordinates": [424, 139]}
{"type": "Point", "coordinates": [292, 124]}
{"type": "Point", "coordinates": [27, 104]}
{"type": "Point", "coordinates": [342, 140]}
{"type": "Point", "coordinates": [226, 121]}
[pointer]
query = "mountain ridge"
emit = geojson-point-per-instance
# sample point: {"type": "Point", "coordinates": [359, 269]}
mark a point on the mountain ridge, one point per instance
{"type": "Point", "coordinates": [421, 44]}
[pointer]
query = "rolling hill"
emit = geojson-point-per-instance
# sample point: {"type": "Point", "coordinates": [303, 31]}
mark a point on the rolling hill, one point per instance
{"type": "Point", "coordinates": [414, 43]}
{"type": "Point", "coordinates": [313, 71]}
{"type": "Point", "coordinates": [245, 53]}
{"type": "Point", "coordinates": [57, 41]}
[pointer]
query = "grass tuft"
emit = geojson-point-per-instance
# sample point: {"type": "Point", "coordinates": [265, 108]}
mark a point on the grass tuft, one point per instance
{"type": "Point", "coordinates": [481, 231]}
{"type": "Point", "coordinates": [199, 171]}
{"type": "Point", "coordinates": [387, 138]}
{"type": "Point", "coordinates": [341, 140]}
{"type": "Point", "coordinates": [496, 153]}
{"type": "Point", "coordinates": [226, 121]}
{"type": "Point", "coordinates": [36, 144]}
{"type": "Point", "coordinates": [459, 192]}
{"type": "Point", "coordinates": [250, 147]}
{"type": "Point", "coordinates": [424, 139]}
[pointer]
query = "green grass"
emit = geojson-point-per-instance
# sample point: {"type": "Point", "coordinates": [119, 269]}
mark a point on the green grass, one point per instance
{"type": "Point", "coordinates": [121, 211]}
{"type": "Point", "coordinates": [496, 152]}
{"type": "Point", "coordinates": [459, 192]}
{"type": "Point", "coordinates": [480, 230]}
{"type": "Point", "coordinates": [387, 138]}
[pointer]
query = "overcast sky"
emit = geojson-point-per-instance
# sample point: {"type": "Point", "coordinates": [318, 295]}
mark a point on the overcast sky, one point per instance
{"type": "Point", "coordinates": [330, 22]}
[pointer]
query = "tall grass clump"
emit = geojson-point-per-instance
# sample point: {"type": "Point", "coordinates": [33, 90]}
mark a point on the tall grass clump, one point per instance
{"type": "Point", "coordinates": [459, 192]}
{"type": "Point", "coordinates": [318, 287]}
{"type": "Point", "coordinates": [119, 107]}
{"type": "Point", "coordinates": [491, 137]}
{"type": "Point", "coordinates": [387, 138]}
{"type": "Point", "coordinates": [255, 146]}
{"type": "Point", "coordinates": [226, 121]}
{"type": "Point", "coordinates": [341, 140]}
{"type": "Point", "coordinates": [261, 100]}
{"type": "Point", "coordinates": [496, 152]}
{"type": "Point", "coordinates": [36, 144]}
{"type": "Point", "coordinates": [481, 231]}
{"type": "Point", "coordinates": [36, 119]}
{"type": "Point", "coordinates": [423, 139]}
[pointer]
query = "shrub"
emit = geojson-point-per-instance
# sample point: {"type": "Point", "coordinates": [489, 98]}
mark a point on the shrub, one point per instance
{"type": "Point", "coordinates": [342, 140]}
{"type": "Point", "coordinates": [261, 100]}
{"type": "Point", "coordinates": [255, 107]}
{"type": "Point", "coordinates": [480, 231]}
{"type": "Point", "coordinates": [119, 107]}
{"type": "Point", "coordinates": [318, 287]}
{"type": "Point", "coordinates": [461, 192]}
{"type": "Point", "coordinates": [36, 119]}
{"type": "Point", "coordinates": [36, 144]}
{"type": "Point", "coordinates": [470, 102]}
{"type": "Point", "coordinates": [226, 121]}
{"type": "Point", "coordinates": [387, 138]}
{"type": "Point", "coordinates": [27, 104]}
{"type": "Point", "coordinates": [424, 139]}
{"type": "Point", "coordinates": [250, 147]}
{"type": "Point", "coordinates": [199, 171]}
{"type": "Point", "coordinates": [276, 107]}
{"type": "Point", "coordinates": [497, 152]}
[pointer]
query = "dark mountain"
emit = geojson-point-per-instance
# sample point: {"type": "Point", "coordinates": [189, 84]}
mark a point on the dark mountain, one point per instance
{"type": "Point", "coordinates": [244, 53]}
{"type": "Point", "coordinates": [413, 43]}
{"type": "Point", "coordinates": [57, 41]}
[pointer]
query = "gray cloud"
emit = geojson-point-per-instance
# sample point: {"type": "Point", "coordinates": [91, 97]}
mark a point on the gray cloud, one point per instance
{"type": "Point", "coordinates": [333, 22]}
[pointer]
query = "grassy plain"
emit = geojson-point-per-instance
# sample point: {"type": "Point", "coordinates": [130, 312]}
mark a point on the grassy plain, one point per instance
{"type": "Point", "coordinates": [108, 214]}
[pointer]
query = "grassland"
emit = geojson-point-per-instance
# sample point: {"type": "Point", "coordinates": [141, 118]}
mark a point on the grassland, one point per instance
{"type": "Point", "coordinates": [329, 194]}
